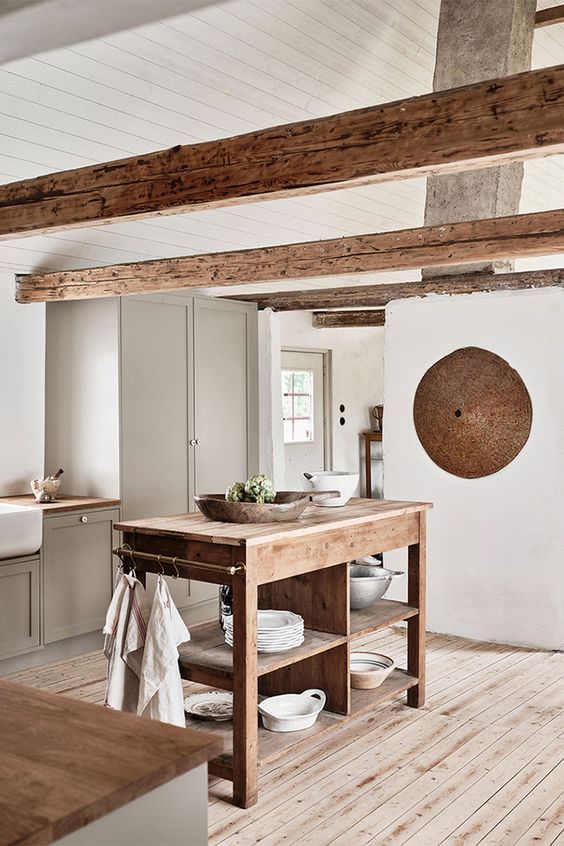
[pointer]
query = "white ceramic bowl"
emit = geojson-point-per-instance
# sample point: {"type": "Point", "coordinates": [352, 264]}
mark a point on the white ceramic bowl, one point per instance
{"type": "Point", "coordinates": [368, 582]}
{"type": "Point", "coordinates": [292, 711]}
{"type": "Point", "coordinates": [334, 480]}
{"type": "Point", "coordinates": [369, 669]}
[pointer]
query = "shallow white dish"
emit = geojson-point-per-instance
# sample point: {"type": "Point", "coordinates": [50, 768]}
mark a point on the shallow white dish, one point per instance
{"type": "Point", "coordinates": [369, 669]}
{"type": "Point", "coordinates": [214, 705]}
{"type": "Point", "coordinates": [334, 480]}
{"type": "Point", "coordinates": [276, 630]}
{"type": "Point", "coordinates": [277, 646]}
{"type": "Point", "coordinates": [292, 711]}
{"type": "Point", "coordinates": [272, 621]}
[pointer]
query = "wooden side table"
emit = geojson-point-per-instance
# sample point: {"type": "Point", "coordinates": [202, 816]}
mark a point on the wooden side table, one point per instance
{"type": "Point", "coordinates": [369, 438]}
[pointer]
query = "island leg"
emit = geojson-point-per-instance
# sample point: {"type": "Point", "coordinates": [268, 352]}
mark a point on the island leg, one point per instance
{"type": "Point", "coordinates": [416, 582]}
{"type": "Point", "coordinates": [245, 691]}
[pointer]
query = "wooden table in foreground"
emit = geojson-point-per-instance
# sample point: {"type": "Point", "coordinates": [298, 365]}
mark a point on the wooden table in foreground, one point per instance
{"type": "Point", "coordinates": [83, 775]}
{"type": "Point", "coordinates": [303, 567]}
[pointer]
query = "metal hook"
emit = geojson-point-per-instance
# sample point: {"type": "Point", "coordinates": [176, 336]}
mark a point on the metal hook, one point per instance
{"type": "Point", "coordinates": [176, 573]}
{"type": "Point", "coordinates": [160, 563]}
{"type": "Point", "coordinates": [129, 550]}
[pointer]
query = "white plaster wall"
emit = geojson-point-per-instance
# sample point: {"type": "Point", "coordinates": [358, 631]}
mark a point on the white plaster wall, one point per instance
{"type": "Point", "coordinates": [22, 390]}
{"type": "Point", "coordinates": [357, 377]}
{"type": "Point", "coordinates": [496, 545]}
{"type": "Point", "coordinates": [82, 409]}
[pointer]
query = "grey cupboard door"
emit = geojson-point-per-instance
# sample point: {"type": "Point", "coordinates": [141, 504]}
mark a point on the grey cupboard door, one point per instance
{"type": "Point", "coordinates": [19, 606]}
{"type": "Point", "coordinates": [154, 414]}
{"type": "Point", "coordinates": [154, 409]}
{"type": "Point", "coordinates": [77, 572]}
{"type": "Point", "coordinates": [225, 411]}
{"type": "Point", "coordinates": [224, 388]}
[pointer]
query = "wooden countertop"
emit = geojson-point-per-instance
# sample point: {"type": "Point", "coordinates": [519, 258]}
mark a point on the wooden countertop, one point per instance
{"type": "Point", "coordinates": [65, 762]}
{"type": "Point", "coordinates": [62, 504]}
{"type": "Point", "coordinates": [315, 519]}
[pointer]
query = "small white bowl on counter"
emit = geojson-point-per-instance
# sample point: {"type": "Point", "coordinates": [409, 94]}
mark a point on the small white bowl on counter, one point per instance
{"type": "Point", "coordinates": [292, 711]}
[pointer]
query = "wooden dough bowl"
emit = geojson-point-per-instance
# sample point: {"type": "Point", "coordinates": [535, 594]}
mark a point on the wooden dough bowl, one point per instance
{"type": "Point", "coordinates": [288, 505]}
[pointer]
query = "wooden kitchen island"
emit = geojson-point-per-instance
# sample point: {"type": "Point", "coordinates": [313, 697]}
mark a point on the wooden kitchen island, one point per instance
{"type": "Point", "coordinates": [300, 566]}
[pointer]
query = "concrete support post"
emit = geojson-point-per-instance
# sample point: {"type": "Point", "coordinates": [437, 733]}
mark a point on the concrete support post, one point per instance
{"type": "Point", "coordinates": [478, 41]}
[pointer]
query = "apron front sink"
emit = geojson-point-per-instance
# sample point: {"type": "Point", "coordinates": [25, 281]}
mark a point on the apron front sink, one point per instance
{"type": "Point", "coordinates": [21, 529]}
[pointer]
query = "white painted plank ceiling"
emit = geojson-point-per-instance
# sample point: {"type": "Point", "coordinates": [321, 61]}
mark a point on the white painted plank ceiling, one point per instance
{"type": "Point", "coordinates": [216, 72]}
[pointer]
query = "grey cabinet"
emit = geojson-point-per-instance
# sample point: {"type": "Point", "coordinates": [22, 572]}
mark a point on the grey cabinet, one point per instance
{"type": "Point", "coordinates": [77, 572]}
{"type": "Point", "coordinates": [188, 408]}
{"type": "Point", "coordinates": [19, 606]}
{"type": "Point", "coordinates": [152, 399]}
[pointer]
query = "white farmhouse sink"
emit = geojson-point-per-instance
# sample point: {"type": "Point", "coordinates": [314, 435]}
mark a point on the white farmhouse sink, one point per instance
{"type": "Point", "coordinates": [21, 530]}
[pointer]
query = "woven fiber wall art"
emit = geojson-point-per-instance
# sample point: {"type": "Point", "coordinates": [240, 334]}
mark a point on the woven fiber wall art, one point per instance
{"type": "Point", "coordinates": [472, 413]}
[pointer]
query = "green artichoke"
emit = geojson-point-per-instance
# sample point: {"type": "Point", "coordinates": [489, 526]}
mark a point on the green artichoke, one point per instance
{"type": "Point", "coordinates": [260, 489]}
{"type": "Point", "coordinates": [235, 493]}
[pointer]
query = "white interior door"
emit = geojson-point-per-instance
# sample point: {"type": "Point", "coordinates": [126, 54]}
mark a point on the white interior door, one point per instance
{"type": "Point", "coordinates": [303, 413]}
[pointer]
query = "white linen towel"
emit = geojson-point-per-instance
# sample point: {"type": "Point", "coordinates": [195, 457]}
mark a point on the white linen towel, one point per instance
{"type": "Point", "coordinates": [125, 629]}
{"type": "Point", "coordinates": [160, 690]}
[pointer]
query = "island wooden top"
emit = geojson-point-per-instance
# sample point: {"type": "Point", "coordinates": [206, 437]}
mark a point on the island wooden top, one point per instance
{"type": "Point", "coordinates": [315, 519]}
{"type": "Point", "coordinates": [62, 504]}
{"type": "Point", "coordinates": [65, 763]}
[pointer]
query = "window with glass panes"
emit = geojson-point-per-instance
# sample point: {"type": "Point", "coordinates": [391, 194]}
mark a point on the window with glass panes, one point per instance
{"type": "Point", "coordinates": [297, 405]}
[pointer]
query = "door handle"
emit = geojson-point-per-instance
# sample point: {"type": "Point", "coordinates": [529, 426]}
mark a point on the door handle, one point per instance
{"type": "Point", "coordinates": [193, 442]}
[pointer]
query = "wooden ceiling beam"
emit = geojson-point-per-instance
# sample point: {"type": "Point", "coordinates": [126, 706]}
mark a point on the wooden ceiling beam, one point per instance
{"type": "Point", "coordinates": [347, 319]}
{"type": "Point", "coordinates": [550, 16]}
{"type": "Point", "coordinates": [378, 296]}
{"type": "Point", "coordinates": [536, 234]}
{"type": "Point", "coordinates": [476, 126]}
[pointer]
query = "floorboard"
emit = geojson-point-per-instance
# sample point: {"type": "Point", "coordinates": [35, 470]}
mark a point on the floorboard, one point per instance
{"type": "Point", "coordinates": [482, 762]}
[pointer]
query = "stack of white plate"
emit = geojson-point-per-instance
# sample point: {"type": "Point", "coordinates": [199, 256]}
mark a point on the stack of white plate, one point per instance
{"type": "Point", "coordinates": [276, 631]}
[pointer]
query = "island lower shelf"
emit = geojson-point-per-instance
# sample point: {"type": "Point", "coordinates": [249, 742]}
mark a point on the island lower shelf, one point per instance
{"type": "Point", "coordinates": [272, 744]}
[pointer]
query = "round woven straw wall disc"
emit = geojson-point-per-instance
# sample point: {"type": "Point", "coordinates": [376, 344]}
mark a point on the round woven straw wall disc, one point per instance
{"type": "Point", "coordinates": [472, 413]}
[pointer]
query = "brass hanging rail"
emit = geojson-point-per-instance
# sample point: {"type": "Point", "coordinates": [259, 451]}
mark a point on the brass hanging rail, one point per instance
{"type": "Point", "coordinates": [126, 551]}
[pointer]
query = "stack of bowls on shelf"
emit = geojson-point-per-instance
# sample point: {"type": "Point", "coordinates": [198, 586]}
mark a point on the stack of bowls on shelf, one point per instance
{"type": "Point", "coordinates": [277, 631]}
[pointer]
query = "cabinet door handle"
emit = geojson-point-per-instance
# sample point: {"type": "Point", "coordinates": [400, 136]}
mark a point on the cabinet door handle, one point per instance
{"type": "Point", "coordinates": [194, 442]}
{"type": "Point", "coordinates": [84, 519]}
{"type": "Point", "coordinates": [197, 442]}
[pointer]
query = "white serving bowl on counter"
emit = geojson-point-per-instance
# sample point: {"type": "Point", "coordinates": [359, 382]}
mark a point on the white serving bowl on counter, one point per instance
{"type": "Point", "coordinates": [292, 711]}
{"type": "Point", "coordinates": [334, 480]}
{"type": "Point", "coordinates": [368, 581]}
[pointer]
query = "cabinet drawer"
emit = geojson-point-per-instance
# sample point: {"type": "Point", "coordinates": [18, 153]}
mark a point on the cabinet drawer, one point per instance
{"type": "Point", "coordinates": [19, 607]}
{"type": "Point", "coordinates": [77, 572]}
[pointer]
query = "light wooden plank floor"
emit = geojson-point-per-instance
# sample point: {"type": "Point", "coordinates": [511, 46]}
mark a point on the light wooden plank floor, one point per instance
{"type": "Point", "coordinates": [482, 762]}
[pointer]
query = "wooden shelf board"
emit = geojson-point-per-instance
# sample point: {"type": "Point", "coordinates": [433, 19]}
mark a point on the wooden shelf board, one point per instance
{"type": "Point", "coordinates": [384, 612]}
{"type": "Point", "coordinates": [207, 650]}
{"type": "Point", "coordinates": [273, 744]}
{"type": "Point", "coordinates": [396, 684]}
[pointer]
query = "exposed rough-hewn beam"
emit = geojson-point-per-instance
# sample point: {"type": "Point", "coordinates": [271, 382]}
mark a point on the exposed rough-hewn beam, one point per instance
{"type": "Point", "coordinates": [378, 296]}
{"type": "Point", "coordinates": [507, 119]}
{"type": "Point", "coordinates": [345, 319]}
{"type": "Point", "coordinates": [501, 237]}
{"type": "Point", "coordinates": [552, 15]}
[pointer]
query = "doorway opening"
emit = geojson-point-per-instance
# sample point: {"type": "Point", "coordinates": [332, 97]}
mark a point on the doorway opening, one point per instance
{"type": "Point", "coordinates": [306, 414]}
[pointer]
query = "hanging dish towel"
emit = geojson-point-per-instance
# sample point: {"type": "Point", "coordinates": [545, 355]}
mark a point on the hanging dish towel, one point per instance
{"type": "Point", "coordinates": [125, 630]}
{"type": "Point", "coordinates": [160, 691]}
